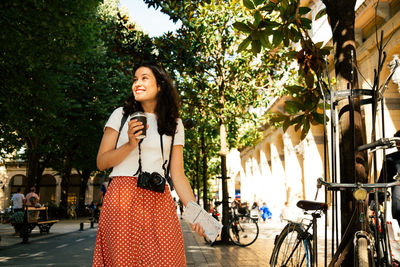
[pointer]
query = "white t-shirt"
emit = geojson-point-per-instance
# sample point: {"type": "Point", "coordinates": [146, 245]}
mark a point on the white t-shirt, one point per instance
{"type": "Point", "coordinates": [152, 159]}
{"type": "Point", "coordinates": [18, 200]}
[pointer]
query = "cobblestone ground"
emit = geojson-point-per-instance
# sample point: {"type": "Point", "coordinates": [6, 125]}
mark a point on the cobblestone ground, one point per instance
{"type": "Point", "coordinates": [199, 253]}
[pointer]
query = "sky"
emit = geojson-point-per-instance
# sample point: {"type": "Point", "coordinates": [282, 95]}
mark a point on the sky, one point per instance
{"type": "Point", "coordinates": [152, 21]}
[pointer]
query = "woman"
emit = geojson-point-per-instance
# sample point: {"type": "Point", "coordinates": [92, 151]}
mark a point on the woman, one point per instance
{"type": "Point", "coordinates": [139, 226]}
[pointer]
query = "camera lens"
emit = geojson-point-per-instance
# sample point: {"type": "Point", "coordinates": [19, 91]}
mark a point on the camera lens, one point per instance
{"type": "Point", "coordinates": [157, 179]}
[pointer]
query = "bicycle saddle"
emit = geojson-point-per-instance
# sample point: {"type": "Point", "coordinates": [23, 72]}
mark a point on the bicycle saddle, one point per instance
{"type": "Point", "coordinates": [312, 205]}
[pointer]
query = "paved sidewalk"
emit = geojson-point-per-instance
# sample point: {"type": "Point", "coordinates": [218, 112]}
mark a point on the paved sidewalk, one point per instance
{"type": "Point", "coordinates": [60, 228]}
{"type": "Point", "coordinates": [198, 252]}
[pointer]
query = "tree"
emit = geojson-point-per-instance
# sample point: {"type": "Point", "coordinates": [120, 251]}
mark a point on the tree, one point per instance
{"type": "Point", "coordinates": [38, 42]}
{"type": "Point", "coordinates": [229, 89]}
{"type": "Point", "coordinates": [101, 82]}
{"type": "Point", "coordinates": [65, 65]}
{"type": "Point", "coordinates": [290, 25]}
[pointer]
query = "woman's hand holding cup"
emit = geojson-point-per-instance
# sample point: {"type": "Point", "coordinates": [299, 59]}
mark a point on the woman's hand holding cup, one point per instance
{"type": "Point", "coordinates": [137, 127]}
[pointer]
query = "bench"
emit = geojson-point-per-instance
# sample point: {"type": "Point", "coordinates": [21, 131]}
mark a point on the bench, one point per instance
{"type": "Point", "coordinates": [45, 226]}
{"type": "Point", "coordinates": [35, 217]}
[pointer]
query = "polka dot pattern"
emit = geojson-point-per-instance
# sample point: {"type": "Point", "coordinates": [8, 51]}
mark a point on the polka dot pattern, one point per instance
{"type": "Point", "coordinates": [138, 227]}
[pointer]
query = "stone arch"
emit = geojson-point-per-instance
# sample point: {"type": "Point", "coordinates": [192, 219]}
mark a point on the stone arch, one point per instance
{"type": "Point", "coordinates": [268, 153]}
{"type": "Point", "coordinates": [258, 156]}
{"type": "Point", "coordinates": [280, 147]}
{"type": "Point", "coordinates": [18, 180]}
{"type": "Point", "coordinates": [48, 186]}
{"type": "Point", "coordinates": [73, 189]}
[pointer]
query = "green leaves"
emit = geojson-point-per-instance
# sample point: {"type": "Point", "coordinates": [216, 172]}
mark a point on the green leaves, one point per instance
{"type": "Point", "coordinates": [256, 46]}
{"type": "Point", "coordinates": [320, 14]}
{"type": "Point", "coordinates": [304, 10]}
{"type": "Point", "coordinates": [310, 80]}
{"type": "Point", "coordinates": [294, 89]}
{"type": "Point", "coordinates": [242, 27]}
{"type": "Point", "coordinates": [249, 4]}
{"type": "Point", "coordinates": [293, 107]}
{"type": "Point", "coordinates": [277, 38]}
{"type": "Point", "coordinates": [306, 23]}
{"type": "Point", "coordinates": [257, 18]}
{"type": "Point", "coordinates": [244, 44]}
{"type": "Point", "coordinates": [259, 2]}
{"type": "Point", "coordinates": [263, 37]}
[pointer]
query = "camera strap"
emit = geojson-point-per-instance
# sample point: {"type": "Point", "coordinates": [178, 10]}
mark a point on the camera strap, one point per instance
{"type": "Point", "coordinates": [123, 120]}
{"type": "Point", "coordinates": [166, 170]}
{"type": "Point", "coordinates": [139, 170]}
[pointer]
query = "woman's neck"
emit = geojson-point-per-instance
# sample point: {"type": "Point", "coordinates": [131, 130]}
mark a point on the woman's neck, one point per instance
{"type": "Point", "coordinates": [149, 107]}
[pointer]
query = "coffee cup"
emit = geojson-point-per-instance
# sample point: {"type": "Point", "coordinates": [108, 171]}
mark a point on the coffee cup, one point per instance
{"type": "Point", "coordinates": [140, 116]}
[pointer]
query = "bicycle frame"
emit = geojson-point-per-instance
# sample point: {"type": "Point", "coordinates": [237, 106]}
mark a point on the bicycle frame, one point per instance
{"type": "Point", "coordinates": [363, 219]}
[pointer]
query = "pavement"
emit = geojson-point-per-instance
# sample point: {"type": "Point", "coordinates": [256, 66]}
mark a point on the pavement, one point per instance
{"type": "Point", "coordinates": [61, 228]}
{"type": "Point", "coordinates": [198, 252]}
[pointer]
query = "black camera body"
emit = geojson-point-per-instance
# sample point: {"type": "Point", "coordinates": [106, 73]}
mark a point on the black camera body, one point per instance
{"type": "Point", "coordinates": [154, 182]}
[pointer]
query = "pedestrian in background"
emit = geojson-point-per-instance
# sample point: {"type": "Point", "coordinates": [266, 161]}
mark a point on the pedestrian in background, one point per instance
{"type": "Point", "coordinates": [266, 213]}
{"type": "Point", "coordinates": [103, 190]}
{"type": "Point", "coordinates": [139, 226]}
{"type": "Point", "coordinates": [32, 198]}
{"type": "Point", "coordinates": [255, 210]}
{"type": "Point", "coordinates": [18, 200]}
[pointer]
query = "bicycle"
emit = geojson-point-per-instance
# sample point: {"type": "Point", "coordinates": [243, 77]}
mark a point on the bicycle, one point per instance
{"type": "Point", "coordinates": [242, 229]}
{"type": "Point", "coordinates": [296, 246]}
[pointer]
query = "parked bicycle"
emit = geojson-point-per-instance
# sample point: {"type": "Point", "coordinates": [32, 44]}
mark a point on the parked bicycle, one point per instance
{"type": "Point", "coordinates": [297, 246]}
{"type": "Point", "coordinates": [242, 228]}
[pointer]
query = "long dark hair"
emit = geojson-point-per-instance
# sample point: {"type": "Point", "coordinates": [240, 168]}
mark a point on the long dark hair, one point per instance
{"type": "Point", "coordinates": [167, 108]}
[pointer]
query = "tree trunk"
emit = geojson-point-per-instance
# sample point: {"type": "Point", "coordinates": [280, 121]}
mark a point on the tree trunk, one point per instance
{"type": "Point", "coordinates": [353, 166]}
{"type": "Point", "coordinates": [65, 179]}
{"type": "Point", "coordinates": [206, 205]}
{"type": "Point", "coordinates": [224, 178]}
{"type": "Point", "coordinates": [197, 186]}
{"type": "Point", "coordinates": [32, 169]}
{"type": "Point", "coordinates": [85, 175]}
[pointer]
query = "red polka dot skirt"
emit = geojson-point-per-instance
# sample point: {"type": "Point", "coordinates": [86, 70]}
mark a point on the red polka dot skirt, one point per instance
{"type": "Point", "coordinates": [138, 227]}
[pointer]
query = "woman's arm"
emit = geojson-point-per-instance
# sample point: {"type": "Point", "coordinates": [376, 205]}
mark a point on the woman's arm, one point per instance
{"type": "Point", "coordinates": [108, 156]}
{"type": "Point", "coordinates": [181, 183]}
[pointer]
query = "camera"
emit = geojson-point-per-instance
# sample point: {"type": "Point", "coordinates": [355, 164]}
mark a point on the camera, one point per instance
{"type": "Point", "coordinates": [154, 182]}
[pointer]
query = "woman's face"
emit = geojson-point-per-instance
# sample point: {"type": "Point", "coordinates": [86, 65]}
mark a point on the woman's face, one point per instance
{"type": "Point", "coordinates": [144, 85]}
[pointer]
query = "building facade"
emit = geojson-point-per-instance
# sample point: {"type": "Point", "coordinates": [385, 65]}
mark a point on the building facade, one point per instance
{"type": "Point", "coordinates": [13, 176]}
{"type": "Point", "coordinates": [282, 168]}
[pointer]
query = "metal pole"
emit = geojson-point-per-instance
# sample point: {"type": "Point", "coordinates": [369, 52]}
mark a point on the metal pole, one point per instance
{"type": "Point", "coordinates": [325, 176]}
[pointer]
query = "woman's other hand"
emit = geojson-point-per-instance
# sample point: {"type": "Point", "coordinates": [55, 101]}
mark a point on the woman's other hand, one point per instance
{"type": "Point", "coordinates": [198, 229]}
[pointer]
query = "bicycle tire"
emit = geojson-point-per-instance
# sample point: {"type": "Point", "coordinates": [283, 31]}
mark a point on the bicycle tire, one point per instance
{"type": "Point", "coordinates": [292, 247]}
{"type": "Point", "coordinates": [243, 230]}
{"type": "Point", "coordinates": [362, 259]}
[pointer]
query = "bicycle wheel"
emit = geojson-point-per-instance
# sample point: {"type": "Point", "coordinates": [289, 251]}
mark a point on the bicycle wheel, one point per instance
{"type": "Point", "coordinates": [243, 230]}
{"type": "Point", "coordinates": [292, 247]}
{"type": "Point", "coordinates": [362, 252]}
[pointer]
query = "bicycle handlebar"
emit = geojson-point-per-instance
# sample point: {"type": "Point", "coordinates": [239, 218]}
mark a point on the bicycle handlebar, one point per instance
{"type": "Point", "coordinates": [383, 142]}
{"type": "Point", "coordinates": [343, 186]}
